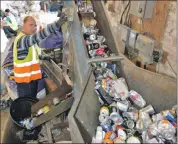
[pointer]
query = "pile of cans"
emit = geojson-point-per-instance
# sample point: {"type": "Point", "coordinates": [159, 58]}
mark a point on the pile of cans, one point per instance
{"type": "Point", "coordinates": [84, 6]}
{"type": "Point", "coordinates": [124, 115]}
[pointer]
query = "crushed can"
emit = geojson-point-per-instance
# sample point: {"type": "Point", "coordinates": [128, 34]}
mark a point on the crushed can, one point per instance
{"type": "Point", "coordinates": [110, 135]}
{"type": "Point", "coordinates": [139, 125]}
{"type": "Point", "coordinates": [130, 124]}
{"type": "Point", "coordinates": [145, 136]}
{"type": "Point", "coordinates": [148, 109]}
{"type": "Point", "coordinates": [121, 88]}
{"type": "Point", "coordinates": [106, 127]}
{"type": "Point", "coordinates": [168, 116]}
{"type": "Point", "coordinates": [153, 130]}
{"type": "Point", "coordinates": [167, 130]}
{"type": "Point", "coordinates": [137, 99]}
{"type": "Point", "coordinates": [56, 101]}
{"type": "Point", "coordinates": [97, 85]}
{"type": "Point", "coordinates": [107, 141]}
{"type": "Point", "coordinates": [99, 51]}
{"type": "Point", "coordinates": [103, 64]}
{"type": "Point", "coordinates": [105, 123]}
{"type": "Point", "coordinates": [92, 53]}
{"type": "Point", "coordinates": [104, 111]}
{"type": "Point", "coordinates": [133, 139]}
{"type": "Point", "coordinates": [157, 117]}
{"type": "Point", "coordinates": [123, 105]}
{"type": "Point", "coordinates": [121, 134]}
{"type": "Point", "coordinates": [116, 117]}
{"type": "Point", "coordinates": [112, 75]}
{"type": "Point", "coordinates": [131, 115]}
{"type": "Point", "coordinates": [145, 119]}
{"type": "Point", "coordinates": [112, 67]}
{"type": "Point", "coordinates": [118, 140]}
{"type": "Point", "coordinates": [104, 83]}
{"type": "Point", "coordinates": [104, 96]}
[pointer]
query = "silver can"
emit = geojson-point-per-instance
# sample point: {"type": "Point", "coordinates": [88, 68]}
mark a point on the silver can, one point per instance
{"type": "Point", "coordinates": [157, 117]}
{"type": "Point", "coordinates": [123, 105]}
{"type": "Point", "coordinates": [148, 109]}
{"type": "Point", "coordinates": [137, 99]}
{"type": "Point", "coordinates": [56, 101]}
{"type": "Point", "coordinates": [132, 115]}
{"type": "Point", "coordinates": [130, 124]}
{"type": "Point", "coordinates": [133, 139]}
{"type": "Point", "coordinates": [145, 119]}
{"type": "Point", "coordinates": [153, 130]}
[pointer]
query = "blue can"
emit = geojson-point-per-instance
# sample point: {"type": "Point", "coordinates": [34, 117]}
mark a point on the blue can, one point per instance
{"type": "Point", "coordinates": [106, 127]}
{"type": "Point", "coordinates": [112, 67]}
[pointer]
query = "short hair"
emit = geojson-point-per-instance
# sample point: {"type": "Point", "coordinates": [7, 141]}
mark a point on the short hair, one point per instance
{"type": "Point", "coordinates": [27, 18]}
{"type": "Point", "coordinates": [7, 10]}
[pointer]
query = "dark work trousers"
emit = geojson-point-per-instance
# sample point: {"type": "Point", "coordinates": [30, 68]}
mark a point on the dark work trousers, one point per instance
{"type": "Point", "coordinates": [9, 31]}
{"type": "Point", "coordinates": [27, 89]}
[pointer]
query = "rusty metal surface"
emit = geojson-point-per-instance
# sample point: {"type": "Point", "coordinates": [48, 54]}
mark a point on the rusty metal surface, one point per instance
{"type": "Point", "coordinates": [157, 90]}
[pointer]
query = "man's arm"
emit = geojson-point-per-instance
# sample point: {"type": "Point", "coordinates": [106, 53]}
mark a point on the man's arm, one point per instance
{"type": "Point", "coordinates": [28, 40]}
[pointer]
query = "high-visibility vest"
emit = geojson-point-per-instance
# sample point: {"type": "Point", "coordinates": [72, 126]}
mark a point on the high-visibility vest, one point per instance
{"type": "Point", "coordinates": [27, 69]}
{"type": "Point", "coordinates": [13, 24]}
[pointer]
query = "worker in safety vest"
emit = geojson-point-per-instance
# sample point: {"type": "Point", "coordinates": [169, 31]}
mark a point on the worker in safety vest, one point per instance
{"type": "Point", "coordinates": [11, 26]}
{"type": "Point", "coordinates": [26, 63]}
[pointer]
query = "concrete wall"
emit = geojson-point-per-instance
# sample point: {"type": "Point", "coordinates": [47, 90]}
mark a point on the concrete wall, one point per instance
{"type": "Point", "coordinates": [168, 41]}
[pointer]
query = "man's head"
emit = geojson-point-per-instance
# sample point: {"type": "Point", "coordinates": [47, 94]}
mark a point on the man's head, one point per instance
{"type": "Point", "coordinates": [7, 12]}
{"type": "Point", "coordinates": [29, 25]}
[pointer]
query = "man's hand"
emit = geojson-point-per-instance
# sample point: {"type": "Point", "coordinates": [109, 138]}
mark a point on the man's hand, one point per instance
{"type": "Point", "coordinates": [62, 19]}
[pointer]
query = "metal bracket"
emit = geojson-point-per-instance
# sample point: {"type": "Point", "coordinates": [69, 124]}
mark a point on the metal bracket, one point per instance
{"type": "Point", "coordinates": [113, 58]}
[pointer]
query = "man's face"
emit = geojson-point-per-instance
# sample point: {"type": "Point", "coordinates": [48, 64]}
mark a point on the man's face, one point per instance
{"type": "Point", "coordinates": [30, 26]}
{"type": "Point", "coordinates": [7, 13]}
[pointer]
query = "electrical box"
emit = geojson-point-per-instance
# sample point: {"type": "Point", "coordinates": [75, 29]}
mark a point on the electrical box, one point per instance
{"type": "Point", "coordinates": [142, 9]}
{"type": "Point", "coordinates": [145, 45]}
{"type": "Point", "coordinates": [132, 38]}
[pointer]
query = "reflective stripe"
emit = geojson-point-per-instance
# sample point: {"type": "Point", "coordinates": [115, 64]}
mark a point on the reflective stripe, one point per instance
{"type": "Point", "coordinates": [28, 79]}
{"type": "Point", "coordinates": [27, 69]}
{"type": "Point", "coordinates": [27, 74]}
{"type": "Point", "coordinates": [26, 63]}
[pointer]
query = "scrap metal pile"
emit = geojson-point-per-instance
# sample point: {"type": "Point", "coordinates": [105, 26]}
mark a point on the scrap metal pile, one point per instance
{"type": "Point", "coordinates": [125, 117]}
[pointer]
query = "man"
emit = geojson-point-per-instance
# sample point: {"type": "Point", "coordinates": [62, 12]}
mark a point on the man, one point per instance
{"type": "Point", "coordinates": [25, 57]}
{"type": "Point", "coordinates": [11, 26]}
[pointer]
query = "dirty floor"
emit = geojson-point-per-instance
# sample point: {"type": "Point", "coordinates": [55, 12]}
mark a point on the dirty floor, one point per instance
{"type": "Point", "coordinates": [4, 113]}
{"type": "Point", "coordinates": [4, 117]}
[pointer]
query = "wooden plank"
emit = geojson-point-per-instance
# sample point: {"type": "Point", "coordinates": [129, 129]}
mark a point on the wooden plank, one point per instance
{"type": "Point", "coordinates": [55, 110]}
{"type": "Point", "coordinates": [156, 24]}
{"type": "Point", "coordinates": [48, 100]}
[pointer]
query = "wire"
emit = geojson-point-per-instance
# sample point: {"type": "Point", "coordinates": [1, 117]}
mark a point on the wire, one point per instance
{"type": "Point", "coordinates": [171, 67]}
{"type": "Point", "coordinates": [126, 19]}
{"type": "Point", "coordinates": [124, 11]}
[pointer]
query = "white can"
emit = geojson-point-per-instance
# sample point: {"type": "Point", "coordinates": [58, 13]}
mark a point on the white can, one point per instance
{"type": "Point", "coordinates": [123, 105]}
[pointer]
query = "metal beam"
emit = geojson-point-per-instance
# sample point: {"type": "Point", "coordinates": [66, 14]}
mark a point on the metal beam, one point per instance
{"type": "Point", "coordinates": [105, 59]}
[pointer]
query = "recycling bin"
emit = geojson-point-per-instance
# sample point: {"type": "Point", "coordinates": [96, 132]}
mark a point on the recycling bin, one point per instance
{"type": "Point", "coordinates": [157, 90]}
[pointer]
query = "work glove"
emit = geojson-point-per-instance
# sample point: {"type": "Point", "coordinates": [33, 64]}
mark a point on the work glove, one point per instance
{"type": "Point", "coordinates": [62, 19]}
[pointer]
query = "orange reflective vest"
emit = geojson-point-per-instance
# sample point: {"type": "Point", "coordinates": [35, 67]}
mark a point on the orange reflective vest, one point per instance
{"type": "Point", "coordinates": [27, 69]}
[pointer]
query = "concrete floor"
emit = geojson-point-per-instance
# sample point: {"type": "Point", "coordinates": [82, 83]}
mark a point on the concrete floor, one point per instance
{"type": "Point", "coordinates": [4, 113]}
{"type": "Point", "coordinates": [4, 117]}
